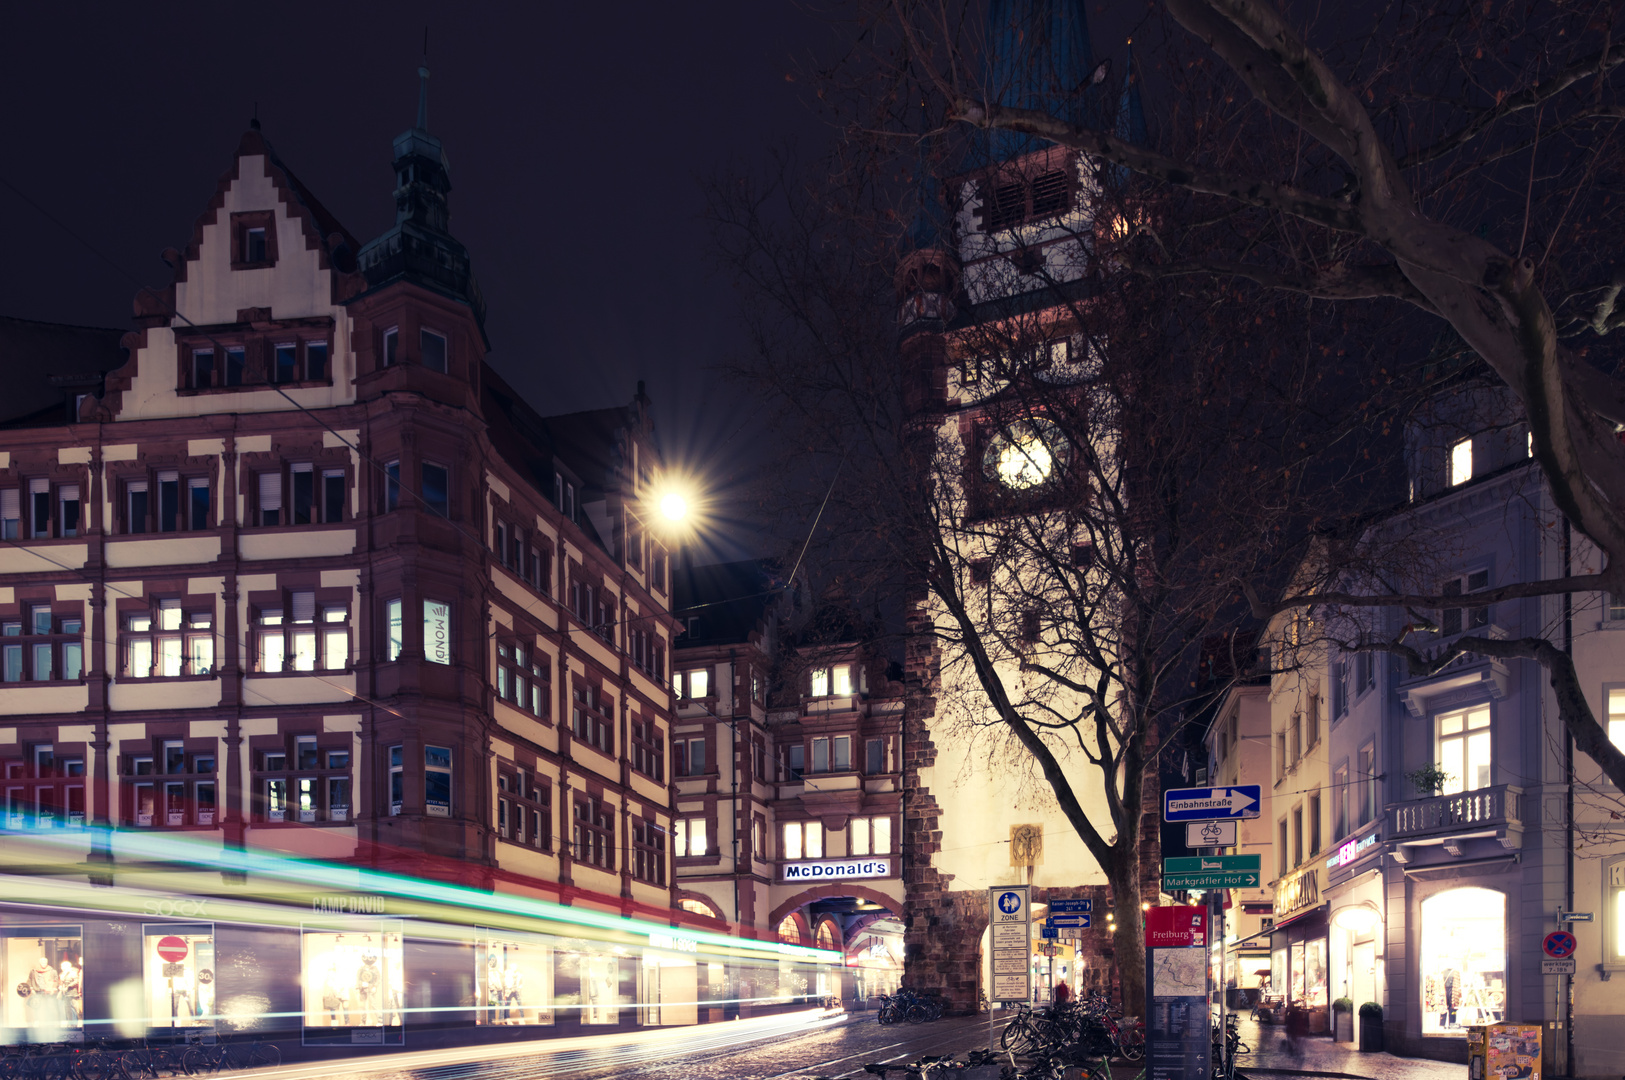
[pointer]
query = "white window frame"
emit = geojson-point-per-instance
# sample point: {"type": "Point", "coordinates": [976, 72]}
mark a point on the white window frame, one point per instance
{"type": "Point", "coordinates": [1613, 919]}
{"type": "Point", "coordinates": [1458, 783]}
{"type": "Point", "coordinates": [1461, 462]}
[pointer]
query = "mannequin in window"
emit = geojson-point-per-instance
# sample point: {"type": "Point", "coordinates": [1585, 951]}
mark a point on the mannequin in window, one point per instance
{"type": "Point", "coordinates": [493, 988]}
{"type": "Point", "coordinates": [513, 982]}
{"type": "Point", "coordinates": [366, 986]}
{"type": "Point", "coordinates": [1452, 997]}
{"type": "Point", "coordinates": [43, 984]}
{"type": "Point", "coordinates": [332, 1000]}
{"type": "Point", "coordinates": [72, 992]}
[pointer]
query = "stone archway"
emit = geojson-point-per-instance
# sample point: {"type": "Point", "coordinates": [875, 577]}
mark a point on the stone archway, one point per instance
{"type": "Point", "coordinates": [824, 892]}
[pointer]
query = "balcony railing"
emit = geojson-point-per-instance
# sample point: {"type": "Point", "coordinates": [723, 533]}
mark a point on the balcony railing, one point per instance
{"type": "Point", "coordinates": [1492, 811]}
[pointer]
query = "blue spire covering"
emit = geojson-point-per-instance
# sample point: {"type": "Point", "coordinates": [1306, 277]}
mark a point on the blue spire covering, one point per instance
{"type": "Point", "coordinates": [927, 227]}
{"type": "Point", "coordinates": [1039, 57]}
{"type": "Point", "coordinates": [1130, 113]}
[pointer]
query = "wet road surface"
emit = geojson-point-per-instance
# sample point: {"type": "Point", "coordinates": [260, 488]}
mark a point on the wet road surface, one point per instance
{"type": "Point", "coordinates": [767, 1048]}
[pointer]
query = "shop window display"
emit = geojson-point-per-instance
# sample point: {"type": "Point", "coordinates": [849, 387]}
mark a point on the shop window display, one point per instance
{"type": "Point", "coordinates": [353, 978]}
{"type": "Point", "coordinates": [514, 982]}
{"type": "Point", "coordinates": [177, 961]}
{"type": "Point", "coordinates": [44, 981]}
{"type": "Point", "coordinates": [600, 989]}
{"type": "Point", "coordinates": [1463, 960]}
{"type": "Point", "coordinates": [668, 989]}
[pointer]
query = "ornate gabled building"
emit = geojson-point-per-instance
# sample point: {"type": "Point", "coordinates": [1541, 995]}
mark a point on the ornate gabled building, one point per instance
{"type": "Point", "coordinates": [303, 604]}
{"type": "Point", "coordinates": [788, 759]}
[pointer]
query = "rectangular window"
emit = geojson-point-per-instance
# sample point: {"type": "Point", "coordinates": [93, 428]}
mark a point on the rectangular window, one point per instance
{"type": "Point", "coordinates": [841, 679]}
{"type": "Point", "coordinates": [812, 840]}
{"type": "Point", "coordinates": [820, 750]}
{"type": "Point", "coordinates": [1283, 856]}
{"type": "Point", "coordinates": [135, 506]}
{"type": "Point", "coordinates": [10, 514]}
{"type": "Point", "coordinates": [169, 502]}
{"type": "Point", "coordinates": [1465, 750]}
{"type": "Point", "coordinates": [270, 491]}
{"type": "Point", "coordinates": [433, 346]}
{"type": "Point", "coordinates": [286, 365]}
{"type": "Point", "coordinates": [392, 486]}
{"type": "Point", "coordinates": [1313, 824]}
{"type": "Point", "coordinates": [796, 761]}
{"type": "Point", "coordinates": [202, 368]}
{"type": "Point", "coordinates": [1365, 779]}
{"type": "Point", "coordinates": [874, 757]}
{"type": "Point", "coordinates": [392, 346]}
{"type": "Point", "coordinates": [236, 366]}
{"type": "Point", "coordinates": [273, 642]}
{"type": "Point", "coordinates": [397, 784]}
{"type": "Point", "coordinates": [648, 852]}
{"type": "Point", "coordinates": [39, 508]}
{"type": "Point", "coordinates": [791, 848]}
{"type": "Point", "coordinates": [1297, 836]}
{"type": "Point", "coordinates": [1340, 803]}
{"type": "Point", "coordinates": [820, 682]}
{"type": "Point", "coordinates": [316, 360]}
{"type": "Point", "coordinates": [437, 632]}
{"type": "Point", "coordinates": [1455, 620]}
{"type": "Point", "coordinates": [302, 489]}
{"type": "Point", "coordinates": [594, 834]}
{"type": "Point", "coordinates": [1461, 462]}
{"type": "Point", "coordinates": [254, 248]}
{"type": "Point", "coordinates": [842, 747]}
{"type": "Point", "coordinates": [436, 489]}
{"type": "Point", "coordinates": [437, 781]}
{"type": "Point", "coordinates": [332, 495]}
{"type": "Point", "coordinates": [197, 499]}
{"type": "Point", "coordinates": [1340, 689]}
{"type": "Point", "coordinates": [1616, 718]}
{"type": "Point", "coordinates": [392, 630]}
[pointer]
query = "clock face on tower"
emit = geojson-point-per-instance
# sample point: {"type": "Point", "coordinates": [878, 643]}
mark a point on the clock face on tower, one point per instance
{"type": "Point", "coordinates": [1025, 454]}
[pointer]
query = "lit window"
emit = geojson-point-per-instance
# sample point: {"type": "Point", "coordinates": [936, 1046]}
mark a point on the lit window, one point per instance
{"type": "Point", "coordinates": [397, 784]}
{"type": "Point", "coordinates": [1465, 750]}
{"type": "Point", "coordinates": [690, 837]}
{"type": "Point", "coordinates": [392, 624]}
{"type": "Point", "coordinates": [842, 679]}
{"type": "Point", "coordinates": [1616, 718]}
{"type": "Point", "coordinates": [1462, 960]}
{"type": "Point", "coordinates": [820, 682]}
{"type": "Point", "coordinates": [273, 643]}
{"type": "Point", "coordinates": [436, 632]}
{"type": "Point", "coordinates": [1461, 462]}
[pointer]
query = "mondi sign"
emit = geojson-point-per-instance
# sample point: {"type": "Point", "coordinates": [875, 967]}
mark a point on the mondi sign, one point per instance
{"type": "Point", "coordinates": [837, 869]}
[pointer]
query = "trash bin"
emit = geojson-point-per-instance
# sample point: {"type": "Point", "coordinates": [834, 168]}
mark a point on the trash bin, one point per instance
{"type": "Point", "coordinates": [1371, 1027]}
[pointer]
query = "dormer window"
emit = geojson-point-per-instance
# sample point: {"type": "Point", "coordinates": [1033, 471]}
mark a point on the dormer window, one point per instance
{"type": "Point", "coordinates": [434, 350]}
{"type": "Point", "coordinates": [1461, 462]}
{"type": "Point", "coordinates": [253, 240]}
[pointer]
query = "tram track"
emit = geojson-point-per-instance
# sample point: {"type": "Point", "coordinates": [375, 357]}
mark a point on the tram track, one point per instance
{"type": "Point", "coordinates": [652, 1052]}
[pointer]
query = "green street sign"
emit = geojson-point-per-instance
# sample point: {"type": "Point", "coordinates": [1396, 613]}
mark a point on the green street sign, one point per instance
{"type": "Point", "coordinates": [1213, 864]}
{"type": "Point", "coordinates": [1234, 879]}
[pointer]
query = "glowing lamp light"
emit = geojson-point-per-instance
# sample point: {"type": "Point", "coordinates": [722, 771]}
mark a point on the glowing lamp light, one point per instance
{"type": "Point", "coordinates": [1359, 919]}
{"type": "Point", "coordinates": [673, 506]}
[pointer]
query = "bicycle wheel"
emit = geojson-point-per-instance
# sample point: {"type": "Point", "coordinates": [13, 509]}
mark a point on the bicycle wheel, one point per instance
{"type": "Point", "coordinates": [265, 1056]}
{"type": "Point", "coordinates": [917, 1013]}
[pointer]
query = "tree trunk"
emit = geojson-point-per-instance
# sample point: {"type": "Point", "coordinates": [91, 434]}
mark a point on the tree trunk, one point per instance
{"type": "Point", "coordinates": [1128, 942]}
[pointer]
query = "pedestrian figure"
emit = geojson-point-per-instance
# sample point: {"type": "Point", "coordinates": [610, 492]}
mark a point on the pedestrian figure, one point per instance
{"type": "Point", "coordinates": [1063, 992]}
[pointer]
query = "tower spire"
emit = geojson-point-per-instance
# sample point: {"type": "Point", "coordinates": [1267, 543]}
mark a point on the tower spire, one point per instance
{"type": "Point", "coordinates": [423, 99]}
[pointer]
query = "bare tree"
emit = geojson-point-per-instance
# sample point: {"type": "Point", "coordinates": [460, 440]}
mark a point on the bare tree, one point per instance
{"type": "Point", "coordinates": [1060, 493]}
{"type": "Point", "coordinates": [1461, 158]}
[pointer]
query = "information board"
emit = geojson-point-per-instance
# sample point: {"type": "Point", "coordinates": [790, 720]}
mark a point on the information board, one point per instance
{"type": "Point", "coordinates": [1010, 918]}
{"type": "Point", "coordinates": [1179, 1042]}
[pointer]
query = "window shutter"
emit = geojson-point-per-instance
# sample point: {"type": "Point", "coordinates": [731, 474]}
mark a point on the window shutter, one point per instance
{"type": "Point", "coordinates": [169, 477]}
{"type": "Point", "coordinates": [10, 504]}
{"type": "Point", "coordinates": [304, 606]}
{"type": "Point", "coordinates": [39, 487]}
{"type": "Point", "coordinates": [270, 491]}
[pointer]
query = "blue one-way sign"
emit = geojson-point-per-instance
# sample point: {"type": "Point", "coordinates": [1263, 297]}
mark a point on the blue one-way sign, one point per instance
{"type": "Point", "coordinates": [1078, 920]}
{"type": "Point", "coordinates": [1207, 804]}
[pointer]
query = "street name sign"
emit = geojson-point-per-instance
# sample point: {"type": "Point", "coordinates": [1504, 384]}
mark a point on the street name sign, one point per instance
{"type": "Point", "coordinates": [1077, 919]}
{"type": "Point", "coordinates": [1010, 916]}
{"type": "Point", "coordinates": [1233, 879]}
{"type": "Point", "coordinates": [1210, 833]}
{"type": "Point", "coordinates": [1206, 864]}
{"type": "Point", "coordinates": [1071, 905]}
{"type": "Point", "coordinates": [1211, 803]}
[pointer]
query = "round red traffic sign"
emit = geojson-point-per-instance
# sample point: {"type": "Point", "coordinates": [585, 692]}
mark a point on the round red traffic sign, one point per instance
{"type": "Point", "coordinates": [171, 949]}
{"type": "Point", "coordinates": [1559, 944]}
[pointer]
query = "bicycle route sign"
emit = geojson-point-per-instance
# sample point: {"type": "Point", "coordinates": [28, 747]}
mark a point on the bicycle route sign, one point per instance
{"type": "Point", "coordinates": [1212, 803]}
{"type": "Point", "coordinates": [1011, 946]}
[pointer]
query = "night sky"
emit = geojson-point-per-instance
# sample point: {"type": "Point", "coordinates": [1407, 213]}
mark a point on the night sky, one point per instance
{"type": "Point", "coordinates": [579, 136]}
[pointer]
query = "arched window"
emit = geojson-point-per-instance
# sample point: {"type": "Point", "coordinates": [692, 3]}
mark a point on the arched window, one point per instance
{"type": "Point", "coordinates": [789, 932]}
{"type": "Point", "coordinates": [1463, 962]}
{"type": "Point", "coordinates": [699, 907]}
{"type": "Point", "coordinates": [827, 938]}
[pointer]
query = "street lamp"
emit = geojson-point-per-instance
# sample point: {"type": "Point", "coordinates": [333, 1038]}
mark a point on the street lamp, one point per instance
{"type": "Point", "coordinates": [673, 506]}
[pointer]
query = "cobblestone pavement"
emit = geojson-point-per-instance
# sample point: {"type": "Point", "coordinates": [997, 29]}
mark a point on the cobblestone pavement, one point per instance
{"type": "Point", "coordinates": [797, 1047]}
{"type": "Point", "coordinates": [1273, 1059]}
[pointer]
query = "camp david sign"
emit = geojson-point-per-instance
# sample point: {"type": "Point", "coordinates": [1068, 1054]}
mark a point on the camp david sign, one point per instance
{"type": "Point", "coordinates": [836, 869]}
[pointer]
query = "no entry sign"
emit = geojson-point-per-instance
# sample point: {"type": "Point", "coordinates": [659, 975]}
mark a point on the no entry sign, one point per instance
{"type": "Point", "coordinates": [172, 949]}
